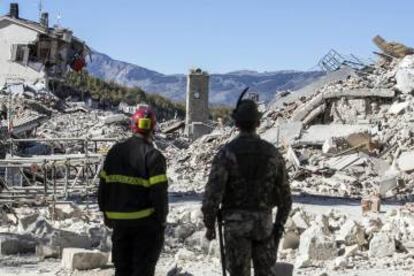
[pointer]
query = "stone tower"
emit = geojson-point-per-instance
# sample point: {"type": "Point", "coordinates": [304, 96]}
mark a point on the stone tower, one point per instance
{"type": "Point", "coordinates": [197, 104]}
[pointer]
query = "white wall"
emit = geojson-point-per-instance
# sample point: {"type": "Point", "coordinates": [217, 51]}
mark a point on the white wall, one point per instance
{"type": "Point", "coordinates": [13, 34]}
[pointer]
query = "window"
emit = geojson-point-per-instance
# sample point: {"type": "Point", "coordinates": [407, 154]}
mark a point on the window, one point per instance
{"type": "Point", "coordinates": [20, 53]}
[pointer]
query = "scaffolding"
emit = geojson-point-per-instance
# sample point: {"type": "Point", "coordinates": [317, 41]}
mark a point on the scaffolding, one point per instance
{"type": "Point", "coordinates": [51, 178]}
{"type": "Point", "coordinates": [333, 61]}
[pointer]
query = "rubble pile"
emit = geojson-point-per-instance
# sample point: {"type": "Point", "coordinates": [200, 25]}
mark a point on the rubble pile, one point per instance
{"type": "Point", "coordinates": [188, 168]}
{"type": "Point", "coordinates": [91, 124]}
{"type": "Point", "coordinates": [332, 240]}
{"type": "Point", "coordinates": [351, 138]}
{"type": "Point", "coordinates": [47, 231]}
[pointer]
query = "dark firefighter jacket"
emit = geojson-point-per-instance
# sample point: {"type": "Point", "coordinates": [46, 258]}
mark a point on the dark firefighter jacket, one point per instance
{"type": "Point", "coordinates": [133, 183]}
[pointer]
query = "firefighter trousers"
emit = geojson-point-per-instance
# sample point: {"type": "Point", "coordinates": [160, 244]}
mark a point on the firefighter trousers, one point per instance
{"type": "Point", "coordinates": [135, 250]}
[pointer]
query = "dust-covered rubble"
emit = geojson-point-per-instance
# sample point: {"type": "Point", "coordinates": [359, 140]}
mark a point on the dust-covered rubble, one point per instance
{"type": "Point", "coordinates": [332, 239]}
{"type": "Point", "coordinates": [351, 138]}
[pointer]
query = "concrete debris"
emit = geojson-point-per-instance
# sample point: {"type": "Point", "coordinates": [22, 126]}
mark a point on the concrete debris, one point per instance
{"type": "Point", "coordinates": [291, 155]}
{"type": "Point", "coordinates": [393, 49]}
{"type": "Point", "coordinates": [13, 244]}
{"type": "Point", "coordinates": [284, 133]}
{"type": "Point", "coordinates": [321, 240]}
{"type": "Point", "coordinates": [397, 108]}
{"type": "Point", "coordinates": [81, 259]}
{"type": "Point", "coordinates": [315, 245]}
{"type": "Point", "coordinates": [351, 233]}
{"type": "Point", "coordinates": [318, 134]}
{"type": "Point", "coordinates": [189, 168]}
{"type": "Point", "coordinates": [381, 245]}
{"type": "Point", "coordinates": [351, 137]}
{"type": "Point", "coordinates": [64, 211]}
{"type": "Point", "coordinates": [329, 146]}
{"type": "Point", "coordinates": [406, 161]}
{"type": "Point", "coordinates": [110, 119]}
{"type": "Point", "coordinates": [405, 75]}
{"type": "Point", "coordinates": [342, 162]}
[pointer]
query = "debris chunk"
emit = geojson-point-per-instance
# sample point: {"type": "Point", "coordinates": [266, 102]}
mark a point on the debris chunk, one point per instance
{"type": "Point", "coordinates": [82, 259]}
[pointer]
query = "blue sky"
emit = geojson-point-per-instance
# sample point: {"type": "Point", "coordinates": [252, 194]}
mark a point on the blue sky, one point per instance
{"type": "Point", "coordinates": [170, 36]}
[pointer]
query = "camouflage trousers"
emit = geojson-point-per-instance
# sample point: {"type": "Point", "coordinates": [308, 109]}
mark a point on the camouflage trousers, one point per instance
{"type": "Point", "coordinates": [248, 237]}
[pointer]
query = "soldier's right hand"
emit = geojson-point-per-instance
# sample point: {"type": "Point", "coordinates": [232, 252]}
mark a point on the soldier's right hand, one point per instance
{"type": "Point", "coordinates": [210, 234]}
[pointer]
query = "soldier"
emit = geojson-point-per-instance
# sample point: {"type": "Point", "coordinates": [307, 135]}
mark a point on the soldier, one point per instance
{"type": "Point", "coordinates": [248, 178]}
{"type": "Point", "coordinates": [133, 197]}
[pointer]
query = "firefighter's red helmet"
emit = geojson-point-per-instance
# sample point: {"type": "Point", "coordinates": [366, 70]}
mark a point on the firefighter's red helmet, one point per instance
{"type": "Point", "coordinates": [144, 120]}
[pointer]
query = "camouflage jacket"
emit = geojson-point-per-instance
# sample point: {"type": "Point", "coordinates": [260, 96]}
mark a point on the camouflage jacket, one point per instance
{"type": "Point", "coordinates": [247, 174]}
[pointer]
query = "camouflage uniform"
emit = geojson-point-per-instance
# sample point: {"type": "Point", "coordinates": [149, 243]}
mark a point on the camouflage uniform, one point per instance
{"type": "Point", "coordinates": [248, 178]}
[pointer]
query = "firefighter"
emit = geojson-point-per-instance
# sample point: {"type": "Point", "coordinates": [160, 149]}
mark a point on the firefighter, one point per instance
{"type": "Point", "coordinates": [133, 197]}
{"type": "Point", "coordinates": [247, 179]}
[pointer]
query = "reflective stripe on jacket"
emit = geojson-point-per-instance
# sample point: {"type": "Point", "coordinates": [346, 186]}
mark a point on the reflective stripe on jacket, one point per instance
{"type": "Point", "coordinates": [133, 182]}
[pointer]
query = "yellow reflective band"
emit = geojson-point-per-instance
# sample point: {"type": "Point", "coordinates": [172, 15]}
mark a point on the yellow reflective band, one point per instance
{"type": "Point", "coordinates": [158, 179]}
{"type": "Point", "coordinates": [124, 179]}
{"type": "Point", "coordinates": [130, 215]}
{"type": "Point", "coordinates": [113, 178]}
{"type": "Point", "coordinates": [144, 123]}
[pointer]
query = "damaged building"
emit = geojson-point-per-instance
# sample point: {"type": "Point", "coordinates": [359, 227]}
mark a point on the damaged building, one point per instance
{"type": "Point", "coordinates": [34, 52]}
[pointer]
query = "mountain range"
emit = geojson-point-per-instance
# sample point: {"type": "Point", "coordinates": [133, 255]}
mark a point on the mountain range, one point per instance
{"type": "Point", "coordinates": [224, 88]}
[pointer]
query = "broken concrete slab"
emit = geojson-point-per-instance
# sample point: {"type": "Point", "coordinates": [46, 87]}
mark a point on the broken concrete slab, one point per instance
{"type": "Point", "coordinates": [82, 259]}
{"type": "Point", "coordinates": [344, 161]}
{"type": "Point", "coordinates": [314, 114]}
{"type": "Point", "coordinates": [382, 245]}
{"type": "Point", "coordinates": [12, 244]}
{"type": "Point", "coordinates": [351, 233]}
{"type": "Point", "coordinates": [301, 112]}
{"type": "Point", "coordinates": [64, 211]}
{"type": "Point", "coordinates": [315, 245]}
{"type": "Point", "coordinates": [406, 161]}
{"type": "Point", "coordinates": [284, 133]}
{"type": "Point", "coordinates": [329, 146]}
{"type": "Point", "coordinates": [360, 93]}
{"type": "Point", "coordinates": [15, 89]}
{"type": "Point", "coordinates": [398, 108]}
{"type": "Point", "coordinates": [66, 239]}
{"type": "Point", "coordinates": [292, 157]}
{"type": "Point", "coordinates": [26, 221]}
{"type": "Point", "coordinates": [116, 118]}
{"type": "Point", "coordinates": [318, 134]}
{"type": "Point", "coordinates": [44, 251]}
{"type": "Point", "coordinates": [380, 166]}
{"type": "Point", "coordinates": [388, 181]}
{"type": "Point", "coordinates": [301, 220]}
{"type": "Point", "coordinates": [174, 127]}
{"type": "Point", "coordinates": [405, 75]}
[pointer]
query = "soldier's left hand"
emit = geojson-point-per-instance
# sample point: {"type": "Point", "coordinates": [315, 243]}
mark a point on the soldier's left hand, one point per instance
{"type": "Point", "coordinates": [210, 234]}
